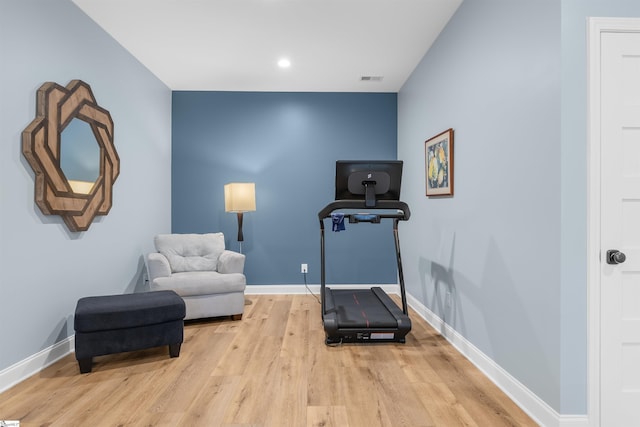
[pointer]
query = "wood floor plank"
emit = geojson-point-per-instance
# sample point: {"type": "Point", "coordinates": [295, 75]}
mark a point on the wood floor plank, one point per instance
{"type": "Point", "coordinates": [325, 416]}
{"type": "Point", "coordinates": [442, 406]}
{"type": "Point", "coordinates": [130, 403]}
{"type": "Point", "coordinates": [59, 376]}
{"type": "Point", "coordinates": [477, 400]}
{"type": "Point", "coordinates": [211, 405]}
{"type": "Point", "coordinates": [289, 398]}
{"type": "Point", "coordinates": [181, 391]}
{"type": "Point", "coordinates": [295, 344]}
{"type": "Point", "coordinates": [87, 407]}
{"type": "Point", "coordinates": [158, 419]}
{"type": "Point", "coordinates": [272, 368]}
{"type": "Point", "coordinates": [365, 407]}
{"type": "Point", "coordinates": [402, 404]}
{"type": "Point", "coordinates": [277, 320]}
{"type": "Point", "coordinates": [326, 385]}
{"type": "Point", "coordinates": [253, 397]}
{"type": "Point", "coordinates": [289, 395]}
{"type": "Point", "coordinates": [242, 349]}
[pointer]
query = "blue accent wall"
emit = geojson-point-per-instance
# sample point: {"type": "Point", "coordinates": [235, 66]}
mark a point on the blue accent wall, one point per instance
{"type": "Point", "coordinates": [287, 143]}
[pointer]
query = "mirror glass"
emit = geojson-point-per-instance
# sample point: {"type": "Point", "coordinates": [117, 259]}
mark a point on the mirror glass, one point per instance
{"type": "Point", "coordinates": [79, 156]}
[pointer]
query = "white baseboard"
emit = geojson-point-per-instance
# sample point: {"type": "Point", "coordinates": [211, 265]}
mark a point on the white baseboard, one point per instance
{"type": "Point", "coordinates": [301, 289]}
{"type": "Point", "coordinates": [574, 421]}
{"type": "Point", "coordinates": [33, 364]}
{"type": "Point", "coordinates": [535, 407]}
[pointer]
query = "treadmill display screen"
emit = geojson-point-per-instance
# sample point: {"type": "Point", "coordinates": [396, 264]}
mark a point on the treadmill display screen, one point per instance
{"type": "Point", "coordinates": [368, 180]}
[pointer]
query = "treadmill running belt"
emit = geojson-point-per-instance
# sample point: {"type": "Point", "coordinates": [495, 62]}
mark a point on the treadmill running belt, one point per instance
{"type": "Point", "coordinates": [361, 309]}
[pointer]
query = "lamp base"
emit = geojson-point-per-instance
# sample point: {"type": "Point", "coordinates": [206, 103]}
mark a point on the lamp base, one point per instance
{"type": "Point", "coordinates": [240, 236]}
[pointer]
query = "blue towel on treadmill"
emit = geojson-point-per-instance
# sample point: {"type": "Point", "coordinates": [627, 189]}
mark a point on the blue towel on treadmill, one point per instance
{"type": "Point", "coordinates": [338, 221]}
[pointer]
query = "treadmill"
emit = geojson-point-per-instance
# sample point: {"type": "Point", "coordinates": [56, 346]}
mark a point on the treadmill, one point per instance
{"type": "Point", "coordinates": [365, 315]}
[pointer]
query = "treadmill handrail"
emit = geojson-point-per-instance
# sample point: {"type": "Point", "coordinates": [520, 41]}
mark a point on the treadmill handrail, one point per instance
{"type": "Point", "coordinates": [360, 204]}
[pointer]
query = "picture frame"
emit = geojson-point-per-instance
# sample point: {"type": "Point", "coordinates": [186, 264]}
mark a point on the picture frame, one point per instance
{"type": "Point", "coordinates": [438, 156]}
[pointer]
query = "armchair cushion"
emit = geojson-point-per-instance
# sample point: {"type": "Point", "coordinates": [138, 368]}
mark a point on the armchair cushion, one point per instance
{"type": "Point", "coordinates": [191, 252]}
{"type": "Point", "coordinates": [193, 283]}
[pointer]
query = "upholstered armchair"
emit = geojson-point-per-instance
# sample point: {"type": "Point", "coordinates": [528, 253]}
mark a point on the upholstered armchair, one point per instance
{"type": "Point", "coordinates": [197, 267]}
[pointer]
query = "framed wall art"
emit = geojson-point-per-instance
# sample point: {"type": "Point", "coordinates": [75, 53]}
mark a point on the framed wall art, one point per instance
{"type": "Point", "coordinates": [438, 152]}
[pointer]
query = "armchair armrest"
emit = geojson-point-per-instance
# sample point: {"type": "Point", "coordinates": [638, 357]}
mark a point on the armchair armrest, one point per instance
{"type": "Point", "coordinates": [157, 266]}
{"type": "Point", "coordinates": [231, 262]}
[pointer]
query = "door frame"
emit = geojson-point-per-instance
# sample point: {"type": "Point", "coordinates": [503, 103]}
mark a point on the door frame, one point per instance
{"type": "Point", "coordinates": [597, 26]}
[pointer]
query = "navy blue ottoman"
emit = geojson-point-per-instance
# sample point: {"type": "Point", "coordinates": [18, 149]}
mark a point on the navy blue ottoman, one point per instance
{"type": "Point", "coordinates": [118, 323]}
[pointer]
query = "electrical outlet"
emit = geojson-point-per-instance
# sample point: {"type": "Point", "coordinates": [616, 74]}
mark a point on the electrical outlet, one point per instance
{"type": "Point", "coordinates": [304, 268]}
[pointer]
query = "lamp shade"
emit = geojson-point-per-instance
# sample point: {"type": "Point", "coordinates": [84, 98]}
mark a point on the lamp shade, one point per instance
{"type": "Point", "coordinates": [240, 197]}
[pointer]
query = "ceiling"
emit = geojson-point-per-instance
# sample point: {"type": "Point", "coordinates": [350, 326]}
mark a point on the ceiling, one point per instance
{"type": "Point", "coordinates": [234, 45]}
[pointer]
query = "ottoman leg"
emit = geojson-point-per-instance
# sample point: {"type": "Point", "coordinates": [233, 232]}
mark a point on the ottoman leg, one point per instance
{"type": "Point", "coordinates": [174, 350]}
{"type": "Point", "coordinates": [85, 365]}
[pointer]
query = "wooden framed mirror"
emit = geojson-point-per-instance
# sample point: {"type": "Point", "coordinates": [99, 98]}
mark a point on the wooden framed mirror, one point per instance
{"type": "Point", "coordinates": [69, 146]}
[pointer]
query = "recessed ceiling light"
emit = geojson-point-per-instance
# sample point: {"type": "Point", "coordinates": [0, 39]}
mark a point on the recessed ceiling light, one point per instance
{"type": "Point", "coordinates": [284, 63]}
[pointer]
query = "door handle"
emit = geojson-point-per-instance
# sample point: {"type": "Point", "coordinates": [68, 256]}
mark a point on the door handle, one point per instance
{"type": "Point", "coordinates": [614, 256]}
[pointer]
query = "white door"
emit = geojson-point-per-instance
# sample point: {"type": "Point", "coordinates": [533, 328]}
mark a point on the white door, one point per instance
{"type": "Point", "coordinates": [620, 230]}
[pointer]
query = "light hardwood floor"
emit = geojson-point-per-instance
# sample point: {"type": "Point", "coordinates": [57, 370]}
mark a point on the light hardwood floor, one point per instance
{"type": "Point", "coordinates": [271, 368]}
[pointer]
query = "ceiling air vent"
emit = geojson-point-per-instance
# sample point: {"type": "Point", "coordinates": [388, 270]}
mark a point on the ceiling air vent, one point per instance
{"type": "Point", "coordinates": [371, 78]}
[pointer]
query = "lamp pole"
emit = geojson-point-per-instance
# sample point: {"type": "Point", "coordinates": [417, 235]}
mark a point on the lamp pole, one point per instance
{"type": "Point", "coordinates": [240, 235]}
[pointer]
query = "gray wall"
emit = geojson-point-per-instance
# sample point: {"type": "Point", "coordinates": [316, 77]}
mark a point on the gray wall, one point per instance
{"type": "Point", "coordinates": [45, 268]}
{"type": "Point", "coordinates": [492, 250]}
{"type": "Point", "coordinates": [510, 78]}
{"type": "Point", "coordinates": [574, 189]}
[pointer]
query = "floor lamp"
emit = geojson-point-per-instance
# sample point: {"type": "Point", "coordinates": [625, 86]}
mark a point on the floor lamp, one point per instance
{"type": "Point", "coordinates": [240, 197]}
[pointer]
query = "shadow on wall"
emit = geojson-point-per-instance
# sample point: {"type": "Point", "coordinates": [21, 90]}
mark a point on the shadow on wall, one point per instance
{"type": "Point", "coordinates": [59, 333]}
{"type": "Point", "coordinates": [500, 325]}
{"type": "Point", "coordinates": [138, 282]}
{"type": "Point", "coordinates": [444, 300]}
{"type": "Point", "coordinates": [511, 334]}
